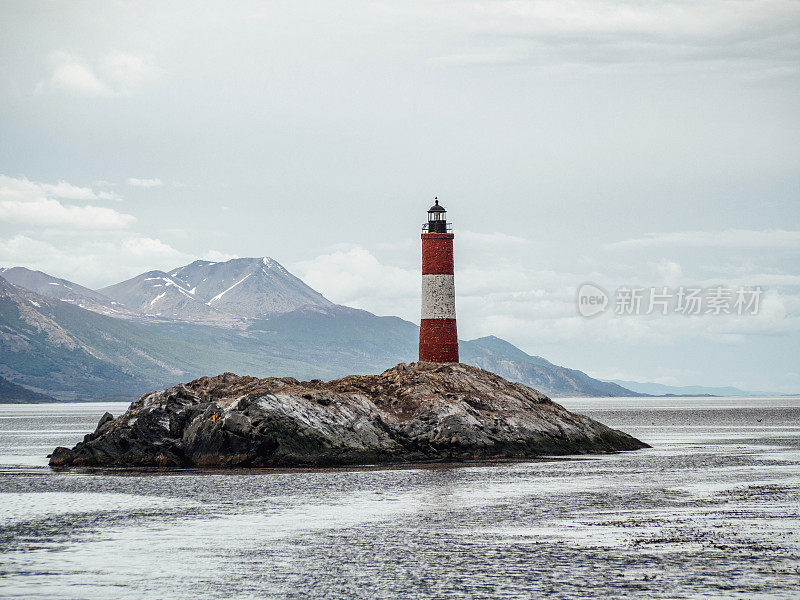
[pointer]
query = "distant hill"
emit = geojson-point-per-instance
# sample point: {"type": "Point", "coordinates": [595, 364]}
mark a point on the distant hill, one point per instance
{"type": "Point", "coordinates": [217, 292]}
{"type": "Point", "coordinates": [82, 354]}
{"type": "Point", "coordinates": [11, 393]}
{"type": "Point", "coordinates": [493, 354]}
{"type": "Point", "coordinates": [66, 291]}
{"type": "Point", "coordinates": [658, 389]}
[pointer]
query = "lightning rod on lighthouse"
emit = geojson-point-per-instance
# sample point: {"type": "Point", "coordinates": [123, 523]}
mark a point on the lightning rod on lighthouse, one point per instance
{"type": "Point", "coordinates": [438, 338]}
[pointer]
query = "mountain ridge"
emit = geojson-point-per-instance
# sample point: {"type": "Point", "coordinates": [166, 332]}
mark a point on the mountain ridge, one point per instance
{"type": "Point", "coordinates": [659, 389]}
{"type": "Point", "coordinates": [223, 293]}
{"type": "Point", "coordinates": [65, 290]}
{"type": "Point", "coordinates": [501, 356]}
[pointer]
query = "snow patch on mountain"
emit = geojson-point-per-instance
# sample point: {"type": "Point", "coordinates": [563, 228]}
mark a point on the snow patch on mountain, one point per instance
{"type": "Point", "coordinates": [221, 294]}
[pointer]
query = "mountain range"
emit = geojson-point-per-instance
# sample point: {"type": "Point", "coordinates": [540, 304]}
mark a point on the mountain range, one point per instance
{"type": "Point", "coordinates": [660, 389]}
{"type": "Point", "coordinates": [248, 316]}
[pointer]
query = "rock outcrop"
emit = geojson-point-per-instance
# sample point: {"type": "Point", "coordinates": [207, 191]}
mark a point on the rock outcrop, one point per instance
{"type": "Point", "coordinates": [416, 412]}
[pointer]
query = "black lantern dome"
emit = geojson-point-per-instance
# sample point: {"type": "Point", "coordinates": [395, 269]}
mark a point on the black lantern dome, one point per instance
{"type": "Point", "coordinates": [437, 218]}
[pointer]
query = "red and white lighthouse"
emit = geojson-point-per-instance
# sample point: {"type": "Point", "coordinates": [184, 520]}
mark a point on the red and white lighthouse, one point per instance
{"type": "Point", "coordinates": [438, 338]}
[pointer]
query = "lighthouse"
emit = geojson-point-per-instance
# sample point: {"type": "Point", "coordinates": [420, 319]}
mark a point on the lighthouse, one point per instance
{"type": "Point", "coordinates": [438, 339]}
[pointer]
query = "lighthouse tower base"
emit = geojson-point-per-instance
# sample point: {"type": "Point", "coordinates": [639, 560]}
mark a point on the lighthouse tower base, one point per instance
{"type": "Point", "coordinates": [438, 340]}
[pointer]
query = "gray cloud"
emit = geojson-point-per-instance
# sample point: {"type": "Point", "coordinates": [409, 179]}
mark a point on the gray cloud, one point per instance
{"type": "Point", "coordinates": [741, 239]}
{"type": "Point", "coordinates": [764, 35]}
{"type": "Point", "coordinates": [145, 183]}
{"type": "Point", "coordinates": [113, 74]}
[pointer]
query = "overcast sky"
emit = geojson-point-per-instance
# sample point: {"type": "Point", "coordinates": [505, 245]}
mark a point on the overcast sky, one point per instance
{"type": "Point", "coordinates": [619, 143]}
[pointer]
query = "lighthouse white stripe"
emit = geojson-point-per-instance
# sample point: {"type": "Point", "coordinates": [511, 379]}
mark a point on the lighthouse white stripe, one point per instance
{"type": "Point", "coordinates": [438, 297]}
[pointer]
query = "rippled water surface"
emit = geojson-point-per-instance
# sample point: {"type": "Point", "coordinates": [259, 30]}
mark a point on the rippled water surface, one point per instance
{"type": "Point", "coordinates": [711, 510]}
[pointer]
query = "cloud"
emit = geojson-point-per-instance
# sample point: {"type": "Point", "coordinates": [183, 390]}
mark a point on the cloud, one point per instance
{"type": "Point", "coordinates": [108, 255]}
{"type": "Point", "coordinates": [218, 256]}
{"type": "Point", "coordinates": [668, 271]}
{"type": "Point", "coordinates": [145, 183]}
{"type": "Point", "coordinates": [51, 213]}
{"type": "Point", "coordinates": [602, 34]}
{"type": "Point", "coordinates": [21, 188]}
{"type": "Point", "coordinates": [91, 262]}
{"type": "Point", "coordinates": [71, 192]}
{"type": "Point", "coordinates": [740, 239]}
{"type": "Point", "coordinates": [127, 71]}
{"type": "Point", "coordinates": [115, 74]}
{"type": "Point", "coordinates": [96, 262]}
{"type": "Point", "coordinates": [355, 277]}
{"type": "Point", "coordinates": [150, 247]}
{"type": "Point", "coordinates": [491, 239]}
{"type": "Point", "coordinates": [71, 75]}
{"type": "Point", "coordinates": [31, 203]}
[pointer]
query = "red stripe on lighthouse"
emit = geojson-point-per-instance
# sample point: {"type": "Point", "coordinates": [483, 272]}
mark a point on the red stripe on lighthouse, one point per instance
{"type": "Point", "coordinates": [438, 340]}
{"type": "Point", "coordinates": [437, 253]}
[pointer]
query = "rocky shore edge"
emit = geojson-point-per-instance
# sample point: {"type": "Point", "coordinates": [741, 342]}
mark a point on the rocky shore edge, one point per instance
{"type": "Point", "coordinates": [410, 413]}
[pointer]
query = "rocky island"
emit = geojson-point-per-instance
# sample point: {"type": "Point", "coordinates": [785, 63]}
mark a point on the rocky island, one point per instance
{"type": "Point", "coordinates": [409, 413]}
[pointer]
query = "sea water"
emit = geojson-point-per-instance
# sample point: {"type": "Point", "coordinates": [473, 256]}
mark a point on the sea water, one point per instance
{"type": "Point", "coordinates": [712, 510]}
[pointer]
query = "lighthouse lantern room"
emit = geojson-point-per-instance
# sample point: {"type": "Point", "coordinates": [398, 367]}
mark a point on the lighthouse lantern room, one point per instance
{"type": "Point", "coordinates": [437, 219]}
